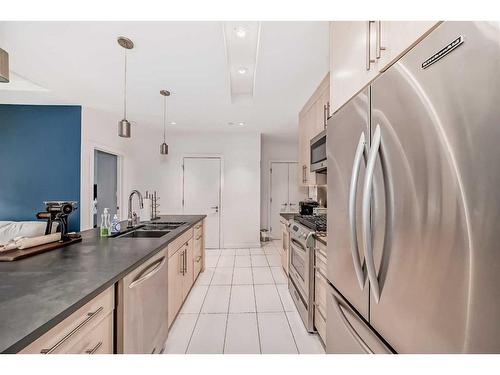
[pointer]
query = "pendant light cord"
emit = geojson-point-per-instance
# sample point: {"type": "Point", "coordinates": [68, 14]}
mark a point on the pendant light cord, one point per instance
{"type": "Point", "coordinates": [125, 89]}
{"type": "Point", "coordinates": [164, 117]}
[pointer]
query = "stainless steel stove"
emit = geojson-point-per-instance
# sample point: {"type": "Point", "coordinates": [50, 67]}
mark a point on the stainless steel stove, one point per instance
{"type": "Point", "coordinates": [301, 271]}
{"type": "Point", "coordinates": [317, 223]}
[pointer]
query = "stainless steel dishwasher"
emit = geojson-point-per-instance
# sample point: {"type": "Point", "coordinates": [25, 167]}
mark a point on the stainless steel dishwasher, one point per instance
{"type": "Point", "coordinates": [142, 308]}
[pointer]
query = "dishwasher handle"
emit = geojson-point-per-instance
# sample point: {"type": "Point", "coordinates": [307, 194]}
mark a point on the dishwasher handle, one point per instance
{"type": "Point", "coordinates": [148, 272]}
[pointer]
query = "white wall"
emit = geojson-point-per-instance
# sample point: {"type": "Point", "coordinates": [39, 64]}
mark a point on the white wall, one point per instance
{"type": "Point", "coordinates": [145, 169]}
{"type": "Point", "coordinates": [274, 149]}
{"type": "Point", "coordinates": [100, 130]}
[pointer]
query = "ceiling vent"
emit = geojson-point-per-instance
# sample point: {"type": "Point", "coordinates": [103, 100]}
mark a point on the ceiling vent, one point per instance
{"type": "Point", "coordinates": [242, 45]}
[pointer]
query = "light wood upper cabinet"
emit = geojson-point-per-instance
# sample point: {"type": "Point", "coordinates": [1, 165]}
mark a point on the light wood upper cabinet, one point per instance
{"type": "Point", "coordinates": [397, 37]}
{"type": "Point", "coordinates": [311, 123]}
{"type": "Point", "coordinates": [361, 50]}
{"type": "Point", "coordinates": [352, 59]}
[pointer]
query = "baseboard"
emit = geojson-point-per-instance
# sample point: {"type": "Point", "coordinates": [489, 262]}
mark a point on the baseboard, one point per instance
{"type": "Point", "coordinates": [242, 245]}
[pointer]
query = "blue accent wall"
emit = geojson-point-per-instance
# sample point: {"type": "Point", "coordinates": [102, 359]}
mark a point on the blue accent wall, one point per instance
{"type": "Point", "coordinates": [40, 149]}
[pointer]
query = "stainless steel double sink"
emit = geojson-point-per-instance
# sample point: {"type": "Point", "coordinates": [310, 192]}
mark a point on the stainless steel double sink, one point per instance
{"type": "Point", "coordinates": [150, 229]}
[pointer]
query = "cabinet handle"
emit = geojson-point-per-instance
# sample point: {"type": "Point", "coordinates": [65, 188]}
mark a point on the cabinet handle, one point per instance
{"type": "Point", "coordinates": [197, 226]}
{"type": "Point", "coordinates": [379, 46]}
{"type": "Point", "coordinates": [185, 262]}
{"type": "Point", "coordinates": [325, 115]}
{"type": "Point", "coordinates": [182, 262]}
{"type": "Point", "coordinates": [89, 317]}
{"type": "Point", "coordinates": [199, 237]}
{"type": "Point", "coordinates": [198, 258]}
{"type": "Point", "coordinates": [94, 349]}
{"type": "Point", "coordinates": [369, 59]}
{"type": "Point", "coordinates": [144, 275]}
{"type": "Point", "coordinates": [304, 169]}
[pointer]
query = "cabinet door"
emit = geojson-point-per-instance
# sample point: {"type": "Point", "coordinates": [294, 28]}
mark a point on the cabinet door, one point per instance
{"type": "Point", "coordinates": [310, 129]}
{"type": "Point", "coordinates": [394, 38]}
{"type": "Point", "coordinates": [188, 277]}
{"type": "Point", "coordinates": [175, 290]}
{"type": "Point", "coordinates": [302, 148]}
{"type": "Point", "coordinates": [352, 59]}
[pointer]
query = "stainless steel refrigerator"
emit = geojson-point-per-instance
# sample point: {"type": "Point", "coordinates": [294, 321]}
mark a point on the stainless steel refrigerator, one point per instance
{"type": "Point", "coordinates": [414, 202]}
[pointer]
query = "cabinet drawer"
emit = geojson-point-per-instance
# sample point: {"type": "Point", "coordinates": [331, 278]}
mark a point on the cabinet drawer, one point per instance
{"type": "Point", "coordinates": [99, 340]}
{"type": "Point", "coordinates": [74, 328]}
{"type": "Point", "coordinates": [198, 229]}
{"type": "Point", "coordinates": [320, 292]}
{"type": "Point", "coordinates": [179, 241]}
{"type": "Point", "coordinates": [320, 323]}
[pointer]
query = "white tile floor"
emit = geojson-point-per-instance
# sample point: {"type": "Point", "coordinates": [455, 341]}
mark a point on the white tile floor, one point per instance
{"type": "Point", "coordinates": [241, 304]}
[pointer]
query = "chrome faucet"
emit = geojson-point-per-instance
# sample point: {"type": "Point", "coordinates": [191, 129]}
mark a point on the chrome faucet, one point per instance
{"type": "Point", "coordinates": [132, 218]}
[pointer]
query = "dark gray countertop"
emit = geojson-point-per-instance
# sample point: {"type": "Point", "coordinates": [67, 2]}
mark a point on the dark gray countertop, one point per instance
{"type": "Point", "coordinates": [39, 292]}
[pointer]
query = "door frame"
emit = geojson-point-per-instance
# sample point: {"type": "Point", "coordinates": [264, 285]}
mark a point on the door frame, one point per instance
{"type": "Point", "coordinates": [119, 176]}
{"type": "Point", "coordinates": [270, 186]}
{"type": "Point", "coordinates": [220, 157]}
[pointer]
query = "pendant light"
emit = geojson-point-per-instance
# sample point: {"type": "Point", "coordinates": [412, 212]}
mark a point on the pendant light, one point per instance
{"type": "Point", "coordinates": [124, 124]}
{"type": "Point", "coordinates": [164, 146]}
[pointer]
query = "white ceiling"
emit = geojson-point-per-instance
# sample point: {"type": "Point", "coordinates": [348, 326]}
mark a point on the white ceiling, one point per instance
{"type": "Point", "coordinates": [81, 63]}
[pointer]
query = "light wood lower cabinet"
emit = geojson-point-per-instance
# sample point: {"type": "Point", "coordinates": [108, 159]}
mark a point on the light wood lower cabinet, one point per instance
{"type": "Point", "coordinates": [175, 291]}
{"type": "Point", "coordinates": [185, 262]}
{"type": "Point", "coordinates": [89, 330]}
{"type": "Point", "coordinates": [198, 249]}
{"type": "Point", "coordinates": [285, 239]}
{"type": "Point", "coordinates": [320, 289]}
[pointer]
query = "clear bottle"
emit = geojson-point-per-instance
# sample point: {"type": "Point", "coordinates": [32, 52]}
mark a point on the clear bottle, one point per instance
{"type": "Point", "coordinates": [104, 231]}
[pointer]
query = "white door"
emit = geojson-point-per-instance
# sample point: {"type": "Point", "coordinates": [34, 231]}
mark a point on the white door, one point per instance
{"type": "Point", "coordinates": [201, 194]}
{"type": "Point", "coordinates": [295, 192]}
{"type": "Point", "coordinates": [279, 196]}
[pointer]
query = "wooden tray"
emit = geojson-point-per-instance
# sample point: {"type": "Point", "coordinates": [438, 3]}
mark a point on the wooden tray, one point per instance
{"type": "Point", "coordinates": [16, 254]}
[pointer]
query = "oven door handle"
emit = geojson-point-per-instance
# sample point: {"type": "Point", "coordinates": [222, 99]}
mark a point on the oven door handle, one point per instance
{"type": "Point", "coordinates": [298, 245]}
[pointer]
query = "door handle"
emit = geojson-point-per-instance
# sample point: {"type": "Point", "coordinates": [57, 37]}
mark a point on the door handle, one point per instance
{"type": "Point", "coordinates": [367, 196]}
{"type": "Point", "coordinates": [369, 59]}
{"type": "Point", "coordinates": [358, 156]}
{"type": "Point", "coordinates": [144, 275]}
{"type": "Point", "coordinates": [355, 335]}
{"type": "Point", "coordinates": [379, 46]}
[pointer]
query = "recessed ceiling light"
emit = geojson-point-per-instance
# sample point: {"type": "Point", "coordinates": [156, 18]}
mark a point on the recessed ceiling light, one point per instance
{"type": "Point", "coordinates": [242, 70]}
{"type": "Point", "coordinates": [240, 32]}
{"type": "Point", "coordinates": [173, 123]}
{"type": "Point", "coordinates": [241, 123]}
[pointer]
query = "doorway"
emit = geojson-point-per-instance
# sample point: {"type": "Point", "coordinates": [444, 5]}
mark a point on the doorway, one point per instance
{"type": "Point", "coordinates": [201, 185]}
{"type": "Point", "coordinates": [285, 193]}
{"type": "Point", "coordinates": [105, 187]}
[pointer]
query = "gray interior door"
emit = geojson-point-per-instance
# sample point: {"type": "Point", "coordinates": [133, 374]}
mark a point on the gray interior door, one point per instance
{"type": "Point", "coordinates": [105, 183]}
{"type": "Point", "coordinates": [347, 145]}
{"type": "Point", "coordinates": [438, 265]}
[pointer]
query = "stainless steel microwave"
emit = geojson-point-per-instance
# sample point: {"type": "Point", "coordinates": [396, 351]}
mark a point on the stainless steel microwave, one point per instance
{"type": "Point", "coordinates": [318, 152]}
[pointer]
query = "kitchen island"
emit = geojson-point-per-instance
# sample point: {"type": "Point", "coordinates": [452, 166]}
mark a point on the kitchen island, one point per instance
{"type": "Point", "coordinates": [39, 292]}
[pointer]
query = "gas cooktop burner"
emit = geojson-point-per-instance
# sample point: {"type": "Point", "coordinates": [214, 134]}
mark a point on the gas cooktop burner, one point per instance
{"type": "Point", "coordinates": [315, 222]}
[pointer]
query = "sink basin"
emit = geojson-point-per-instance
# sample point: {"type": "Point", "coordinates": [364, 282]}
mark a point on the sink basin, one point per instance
{"type": "Point", "coordinates": [163, 225]}
{"type": "Point", "coordinates": [141, 233]}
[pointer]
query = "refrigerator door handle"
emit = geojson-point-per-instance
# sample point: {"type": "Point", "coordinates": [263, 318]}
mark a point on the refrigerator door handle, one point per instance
{"type": "Point", "coordinates": [361, 152]}
{"type": "Point", "coordinates": [349, 327]}
{"type": "Point", "coordinates": [367, 196]}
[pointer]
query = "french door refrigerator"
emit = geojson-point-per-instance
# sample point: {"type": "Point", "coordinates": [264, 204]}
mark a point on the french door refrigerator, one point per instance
{"type": "Point", "coordinates": [414, 202]}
